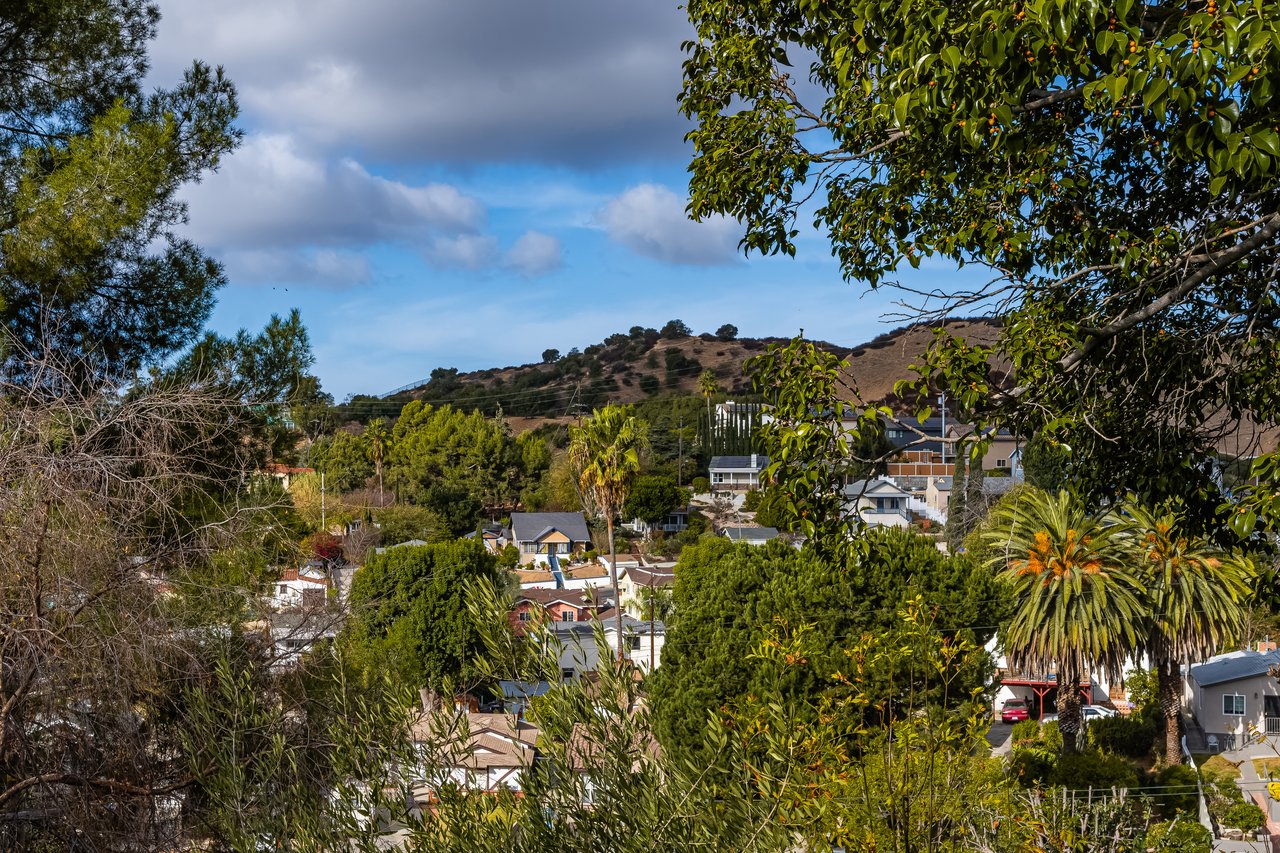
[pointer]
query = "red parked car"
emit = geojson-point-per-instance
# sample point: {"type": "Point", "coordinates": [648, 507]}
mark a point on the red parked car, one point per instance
{"type": "Point", "coordinates": [1014, 711]}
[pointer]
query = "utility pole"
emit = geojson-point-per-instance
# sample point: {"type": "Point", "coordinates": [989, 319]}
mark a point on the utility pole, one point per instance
{"type": "Point", "coordinates": [322, 517]}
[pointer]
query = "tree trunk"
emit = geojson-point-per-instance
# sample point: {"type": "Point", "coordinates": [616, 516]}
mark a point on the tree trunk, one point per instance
{"type": "Point", "coordinates": [1070, 718]}
{"type": "Point", "coordinates": [1169, 689]}
{"type": "Point", "coordinates": [381, 499]}
{"type": "Point", "coordinates": [613, 576]}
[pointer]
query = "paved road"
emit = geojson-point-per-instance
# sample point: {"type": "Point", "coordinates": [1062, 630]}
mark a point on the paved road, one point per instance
{"type": "Point", "coordinates": [1000, 738]}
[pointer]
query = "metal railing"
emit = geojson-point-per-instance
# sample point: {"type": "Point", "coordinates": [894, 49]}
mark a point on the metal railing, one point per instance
{"type": "Point", "coordinates": [1271, 725]}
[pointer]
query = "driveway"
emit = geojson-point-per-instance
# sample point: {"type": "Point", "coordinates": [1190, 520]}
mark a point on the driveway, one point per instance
{"type": "Point", "coordinates": [1001, 738]}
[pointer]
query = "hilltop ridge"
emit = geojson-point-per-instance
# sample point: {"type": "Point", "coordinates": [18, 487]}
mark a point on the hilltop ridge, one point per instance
{"type": "Point", "coordinates": [633, 366]}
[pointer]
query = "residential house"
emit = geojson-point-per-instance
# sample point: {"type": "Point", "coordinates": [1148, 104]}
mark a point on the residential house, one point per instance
{"type": "Point", "coordinates": [307, 587]}
{"type": "Point", "coordinates": [494, 753]}
{"type": "Point", "coordinates": [555, 605]}
{"type": "Point", "coordinates": [412, 543]}
{"type": "Point", "coordinates": [286, 474]}
{"type": "Point", "coordinates": [544, 537]}
{"type": "Point", "coordinates": [1002, 452]}
{"type": "Point", "coordinates": [737, 473]}
{"type": "Point", "coordinates": [879, 502]}
{"type": "Point", "coordinates": [633, 580]}
{"type": "Point", "coordinates": [1230, 693]}
{"type": "Point", "coordinates": [729, 412]}
{"type": "Point", "coordinates": [295, 632]}
{"type": "Point", "coordinates": [579, 576]}
{"type": "Point", "coordinates": [750, 535]}
{"type": "Point", "coordinates": [676, 521]}
{"type": "Point", "coordinates": [641, 639]}
{"type": "Point", "coordinates": [494, 537]}
{"type": "Point", "coordinates": [937, 493]}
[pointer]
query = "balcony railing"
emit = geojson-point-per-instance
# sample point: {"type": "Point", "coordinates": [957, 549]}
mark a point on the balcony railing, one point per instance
{"type": "Point", "coordinates": [1271, 725]}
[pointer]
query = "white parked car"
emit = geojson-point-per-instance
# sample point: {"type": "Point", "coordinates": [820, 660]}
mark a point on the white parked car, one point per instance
{"type": "Point", "coordinates": [1089, 712]}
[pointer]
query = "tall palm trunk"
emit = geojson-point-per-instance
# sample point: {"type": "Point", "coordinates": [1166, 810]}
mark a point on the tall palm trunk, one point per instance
{"type": "Point", "coordinates": [1169, 689]}
{"type": "Point", "coordinates": [613, 577]}
{"type": "Point", "coordinates": [1070, 717]}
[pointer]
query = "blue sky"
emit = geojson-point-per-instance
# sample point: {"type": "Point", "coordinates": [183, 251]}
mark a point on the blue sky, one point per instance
{"type": "Point", "coordinates": [465, 184]}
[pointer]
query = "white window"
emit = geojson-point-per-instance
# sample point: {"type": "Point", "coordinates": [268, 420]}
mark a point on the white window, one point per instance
{"type": "Point", "coordinates": [566, 616]}
{"type": "Point", "coordinates": [566, 675]}
{"type": "Point", "coordinates": [717, 477]}
{"type": "Point", "coordinates": [524, 615]}
{"type": "Point", "coordinates": [635, 643]}
{"type": "Point", "coordinates": [1232, 705]}
{"type": "Point", "coordinates": [1002, 463]}
{"type": "Point", "coordinates": [282, 590]}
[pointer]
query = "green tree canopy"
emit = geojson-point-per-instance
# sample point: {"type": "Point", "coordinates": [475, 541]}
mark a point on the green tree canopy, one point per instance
{"type": "Point", "coordinates": [344, 459]}
{"type": "Point", "coordinates": [451, 462]}
{"type": "Point", "coordinates": [410, 614]}
{"type": "Point", "coordinates": [652, 498]}
{"type": "Point", "coordinates": [728, 598]}
{"type": "Point", "coordinates": [1113, 166]}
{"type": "Point", "coordinates": [91, 264]}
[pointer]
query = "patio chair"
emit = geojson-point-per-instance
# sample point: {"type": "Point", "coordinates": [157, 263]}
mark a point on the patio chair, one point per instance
{"type": "Point", "coordinates": [1211, 743]}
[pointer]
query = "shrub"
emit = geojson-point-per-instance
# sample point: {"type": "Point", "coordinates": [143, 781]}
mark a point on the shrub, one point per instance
{"type": "Point", "coordinates": [1132, 736]}
{"type": "Point", "coordinates": [1027, 731]}
{"type": "Point", "coordinates": [701, 485]}
{"type": "Point", "coordinates": [1244, 816]}
{"type": "Point", "coordinates": [751, 502]}
{"type": "Point", "coordinates": [649, 384]}
{"type": "Point", "coordinates": [1178, 836]}
{"type": "Point", "coordinates": [1180, 795]}
{"type": "Point", "coordinates": [1093, 769]}
{"type": "Point", "coordinates": [1051, 736]}
{"type": "Point", "coordinates": [1031, 766]}
{"type": "Point", "coordinates": [590, 556]}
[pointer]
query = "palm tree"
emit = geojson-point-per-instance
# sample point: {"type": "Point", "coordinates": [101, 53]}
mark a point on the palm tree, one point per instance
{"type": "Point", "coordinates": [1077, 604]}
{"type": "Point", "coordinates": [379, 442]}
{"type": "Point", "coordinates": [606, 451]}
{"type": "Point", "coordinates": [655, 603]}
{"type": "Point", "coordinates": [1196, 595]}
{"type": "Point", "coordinates": [707, 386]}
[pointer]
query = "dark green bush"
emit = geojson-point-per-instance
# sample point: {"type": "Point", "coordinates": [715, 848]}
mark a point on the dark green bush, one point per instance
{"type": "Point", "coordinates": [1181, 794]}
{"type": "Point", "coordinates": [1244, 816]}
{"type": "Point", "coordinates": [1031, 766]}
{"type": "Point", "coordinates": [701, 485]}
{"type": "Point", "coordinates": [1093, 769]}
{"type": "Point", "coordinates": [1179, 836]}
{"type": "Point", "coordinates": [1132, 736]}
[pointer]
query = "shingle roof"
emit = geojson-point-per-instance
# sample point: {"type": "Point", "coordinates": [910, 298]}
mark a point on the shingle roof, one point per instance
{"type": "Point", "coordinates": [738, 463]}
{"type": "Point", "coordinates": [528, 526]}
{"type": "Point", "coordinates": [868, 487]}
{"type": "Point", "coordinates": [942, 484]}
{"type": "Point", "coordinates": [1234, 667]}
{"type": "Point", "coordinates": [996, 485]}
{"type": "Point", "coordinates": [750, 534]}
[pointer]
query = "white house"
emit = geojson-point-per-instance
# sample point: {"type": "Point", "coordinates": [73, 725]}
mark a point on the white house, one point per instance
{"type": "Point", "coordinates": [1231, 692]}
{"type": "Point", "coordinates": [737, 473]}
{"type": "Point", "coordinates": [676, 521]}
{"type": "Point", "coordinates": [304, 587]}
{"type": "Point", "coordinates": [633, 579]}
{"type": "Point", "coordinates": [879, 502]}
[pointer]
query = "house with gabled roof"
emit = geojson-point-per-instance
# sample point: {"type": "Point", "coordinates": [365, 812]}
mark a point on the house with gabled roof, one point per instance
{"type": "Point", "coordinates": [737, 473]}
{"type": "Point", "coordinates": [750, 535]}
{"type": "Point", "coordinates": [879, 502]}
{"type": "Point", "coordinates": [544, 537]}
{"type": "Point", "coordinates": [1231, 693]}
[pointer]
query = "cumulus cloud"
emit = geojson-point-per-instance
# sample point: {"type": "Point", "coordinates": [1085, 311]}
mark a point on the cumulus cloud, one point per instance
{"type": "Point", "coordinates": [490, 80]}
{"type": "Point", "coordinates": [650, 220]}
{"type": "Point", "coordinates": [534, 254]}
{"type": "Point", "coordinates": [269, 193]}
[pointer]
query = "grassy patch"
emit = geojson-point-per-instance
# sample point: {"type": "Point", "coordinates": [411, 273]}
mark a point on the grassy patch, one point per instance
{"type": "Point", "coordinates": [1215, 766]}
{"type": "Point", "coordinates": [1267, 767]}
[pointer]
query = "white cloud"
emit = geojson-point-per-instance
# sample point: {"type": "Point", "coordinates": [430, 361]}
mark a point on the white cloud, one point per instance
{"type": "Point", "coordinates": [270, 193]}
{"type": "Point", "coordinates": [650, 220]}
{"type": "Point", "coordinates": [535, 254]}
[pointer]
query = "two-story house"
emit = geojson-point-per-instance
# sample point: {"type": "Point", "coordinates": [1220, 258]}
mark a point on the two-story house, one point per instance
{"type": "Point", "coordinates": [737, 473]}
{"type": "Point", "coordinates": [879, 502]}
{"type": "Point", "coordinates": [544, 537]}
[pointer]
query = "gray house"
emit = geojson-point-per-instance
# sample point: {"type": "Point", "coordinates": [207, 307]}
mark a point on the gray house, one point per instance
{"type": "Point", "coordinates": [1230, 694]}
{"type": "Point", "coordinates": [544, 536]}
{"type": "Point", "coordinates": [736, 473]}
